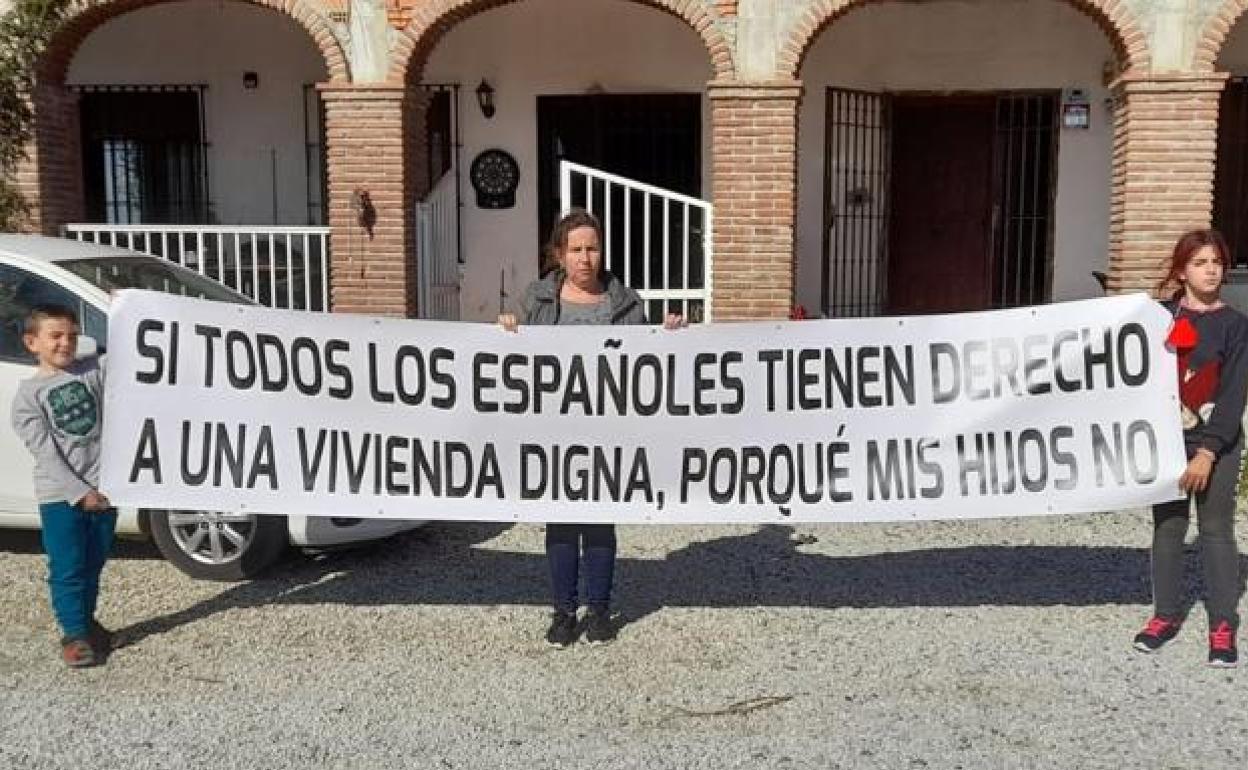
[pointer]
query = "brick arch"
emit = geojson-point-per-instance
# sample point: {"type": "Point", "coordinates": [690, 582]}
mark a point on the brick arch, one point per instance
{"type": "Point", "coordinates": [88, 15]}
{"type": "Point", "coordinates": [1119, 25]}
{"type": "Point", "coordinates": [1215, 32]}
{"type": "Point", "coordinates": [431, 20]}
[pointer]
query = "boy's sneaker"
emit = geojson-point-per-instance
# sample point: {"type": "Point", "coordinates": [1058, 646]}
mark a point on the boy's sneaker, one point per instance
{"type": "Point", "coordinates": [1158, 631]}
{"type": "Point", "coordinates": [77, 652]}
{"type": "Point", "coordinates": [100, 637]}
{"type": "Point", "coordinates": [562, 631]}
{"type": "Point", "coordinates": [1222, 652]}
{"type": "Point", "coordinates": [598, 628]}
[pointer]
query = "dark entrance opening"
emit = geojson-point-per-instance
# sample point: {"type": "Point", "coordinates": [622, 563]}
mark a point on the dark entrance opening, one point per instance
{"type": "Point", "coordinates": [1230, 182]}
{"type": "Point", "coordinates": [144, 154]}
{"type": "Point", "coordinates": [650, 138]}
{"type": "Point", "coordinates": [938, 203]}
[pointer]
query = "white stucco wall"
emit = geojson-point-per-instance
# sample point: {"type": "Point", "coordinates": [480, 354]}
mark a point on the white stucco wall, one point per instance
{"type": "Point", "coordinates": [968, 45]}
{"type": "Point", "coordinates": [549, 47]}
{"type": "Point", "coordinates": [204, 41]}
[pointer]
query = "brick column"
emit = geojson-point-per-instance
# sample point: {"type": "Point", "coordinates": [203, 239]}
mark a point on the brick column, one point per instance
{"type": "Point", "coordinates": [372, 145]}
{"type": "Point", "coordinates": [50, 178]}
{"type": "Point", "coordinates": [754, 157]}
{"type": "Point", "coordinates": [1165, 144]}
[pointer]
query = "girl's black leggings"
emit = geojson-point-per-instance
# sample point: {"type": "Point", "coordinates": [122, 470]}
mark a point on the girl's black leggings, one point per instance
{"type": "Point", "coordinates": [1215, 513]}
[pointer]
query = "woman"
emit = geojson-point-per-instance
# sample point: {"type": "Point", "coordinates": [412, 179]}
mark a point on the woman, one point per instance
{"type": "Point", "coordinates": [1211, 340]}
{"type": "Point", "coordinates": [576, 291]}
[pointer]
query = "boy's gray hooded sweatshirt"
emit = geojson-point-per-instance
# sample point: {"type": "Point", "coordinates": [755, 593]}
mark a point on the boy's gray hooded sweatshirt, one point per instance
{"type": "Point", "coordinates": [59, 417]}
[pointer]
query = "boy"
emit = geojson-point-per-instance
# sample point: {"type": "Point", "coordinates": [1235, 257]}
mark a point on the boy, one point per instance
{"type": "Point", "coordinates": [58, 415]}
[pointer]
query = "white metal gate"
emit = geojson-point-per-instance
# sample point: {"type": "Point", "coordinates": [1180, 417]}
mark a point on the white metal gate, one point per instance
{"type": "Point", "coordinates": [437, 233]}
{"type": "Point", "coordinates": [657, 241]}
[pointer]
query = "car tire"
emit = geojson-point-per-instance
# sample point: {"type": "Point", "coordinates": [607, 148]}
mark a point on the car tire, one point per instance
{"type": "Point", "coordinates": [208, 545]}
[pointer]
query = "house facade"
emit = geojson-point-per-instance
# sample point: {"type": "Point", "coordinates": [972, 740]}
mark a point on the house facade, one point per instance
{"type": "Point", "coordinates": [855, 157]}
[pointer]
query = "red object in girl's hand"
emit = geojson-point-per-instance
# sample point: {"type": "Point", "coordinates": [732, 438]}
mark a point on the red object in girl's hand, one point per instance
{"type": "Point", "coordinates": [1182, 334]}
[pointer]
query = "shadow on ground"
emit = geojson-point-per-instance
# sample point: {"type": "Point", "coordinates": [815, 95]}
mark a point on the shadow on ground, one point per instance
{"type": "Point", "coordinates": [438, 565]}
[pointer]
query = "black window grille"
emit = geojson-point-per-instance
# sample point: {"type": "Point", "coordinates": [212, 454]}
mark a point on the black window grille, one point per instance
{"type": "Point", "coordinates": [144, 154]}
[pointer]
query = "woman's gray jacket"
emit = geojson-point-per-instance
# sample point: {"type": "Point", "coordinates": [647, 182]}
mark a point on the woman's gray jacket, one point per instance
{"type": "Point", "coordinates": [540, 305]}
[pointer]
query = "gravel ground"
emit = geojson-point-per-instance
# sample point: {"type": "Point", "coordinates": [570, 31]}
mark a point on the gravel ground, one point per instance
{"type": "Point", "coordinates": [988, 644]}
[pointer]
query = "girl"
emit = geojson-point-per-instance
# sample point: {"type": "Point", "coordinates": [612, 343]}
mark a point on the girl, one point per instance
{"type": "Point", "coordinates": [1211, 340]}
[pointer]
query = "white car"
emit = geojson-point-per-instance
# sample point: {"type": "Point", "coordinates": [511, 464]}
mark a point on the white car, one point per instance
{"type": "Point", "coordinates": [204, 544]}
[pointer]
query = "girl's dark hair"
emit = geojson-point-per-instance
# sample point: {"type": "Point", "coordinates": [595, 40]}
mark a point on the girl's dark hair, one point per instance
{"type": "Point", "coordinates": [1186, 248]}
{"type": "Point", "coordinates": [574, 219]}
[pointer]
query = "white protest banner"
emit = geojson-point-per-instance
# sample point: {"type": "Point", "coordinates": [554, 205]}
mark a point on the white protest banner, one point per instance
{"type": "Point", "coordinates": [1052, 409]}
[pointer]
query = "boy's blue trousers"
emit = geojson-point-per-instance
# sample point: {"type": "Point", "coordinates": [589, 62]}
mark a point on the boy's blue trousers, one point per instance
{"type": "Point", "coordinates": [77, 543]}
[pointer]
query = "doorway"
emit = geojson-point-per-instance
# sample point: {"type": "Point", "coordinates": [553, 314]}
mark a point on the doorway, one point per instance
{"type": "Point", "coordinates": [938, 203]}
{"type": "Point", "coordinates": [650, 138]}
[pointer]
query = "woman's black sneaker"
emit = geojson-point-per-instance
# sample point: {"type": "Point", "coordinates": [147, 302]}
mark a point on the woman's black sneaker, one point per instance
{"type": "Point", "coordinates": [562, 631]}
{"type": "Point", "coordinates": [1156, 633]}
{"type": "Point", "coordinates": [598, 628]}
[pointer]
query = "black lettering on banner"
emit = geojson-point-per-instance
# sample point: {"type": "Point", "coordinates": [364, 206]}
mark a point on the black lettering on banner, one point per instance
{"type": "Point", "coordinates": [437, 358]}
{"type": "Point", "coordinates": [647, 402]}
{"type": "Point", "coordinates": [753, 471]}
{"type": "Point", "coordinates": [732, 381]}
{"type": "Point", "coordinates": [547, 371]}
{"type": "Point", "coordinates": [1035, 375]}
{"type": "Point", "coordinates": [269, 380]}
{"type": "Point", "coordinates": [1004, 366]}
{"type": "Point", "coordinates": [234, 341]}
{"type": "Point", "coordinates": [458, 457]}
{"type": "Point", "coordinates": [639, 478]}
{"type": "Point", "coordinates": [310, 466]}
{"type": "Point", "coordinates": [480, 382]}
{"type": "Point", "coordinates": [702, 384]}
{"type": "Point", "coordinates": [968, 465]}
{"type": "Point", "coordinates": [160, 368]}
{"type": "Point", "coordinates": [263, 463]}
{"type": "Point", "coordinates": [838, 472]}
{"type": "Point", "coordinates": [147, 455]}
{"type": "Point", "coordinates": [944, 391]}
{"type": "Point", "coordinates": [374, 387]}
{"type": "Point", "coordinates": [345, 387]}
{"type": "Point", "coordinates": [210, 334]}
{"type": "Point", "coordinates": [614, 385]}
{"type": "Point", "coordinates": [674, 407]}
{"type": "Point", "coordinates": [1104, 359]}
{"type": "Point", "coordinates": [515, 383]}
{"type": "Point", "coordinates": [1063, 458]}
{"type": "Point", "coordinates": [490, 475]}
{"type": "Point", "coordinates": [770, 357]}
{"type": "Point", "coordinates": [1136, 332]}
{"type": "Point", "coordinates": [222, 452]}
{"type": "Point", "coordinates": [410, 393]}
{"type": "Point", "coordinates": [1061, 339]}
{"type": "Point", "coordinates": [301, 371]}
{"type": "Point", "coordinates": [533, 482]}
{"type": "Point", "coordinates": [396, 468]}
{"type": "Point", "coordinates": [930, 469]}
{"type": "Point", "coordinates": [884, 476]}
{"type": "Point", "coordinates": [807, 380]}
{"type": "Point", "coordinates": [577, 389]}
{"type": "Point", "coordinates": [692, 468]}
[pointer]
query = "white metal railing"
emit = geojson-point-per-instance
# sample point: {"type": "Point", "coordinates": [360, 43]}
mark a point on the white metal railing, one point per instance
{"type": "Point", "coordinates": [278, 266]}
{"type": "Point", "coordinates": [658, 240]}
{"type": "Point", "coordinates": [437, 232]}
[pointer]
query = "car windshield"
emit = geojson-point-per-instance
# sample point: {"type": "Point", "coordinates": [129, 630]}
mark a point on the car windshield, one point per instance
{"type": "Point", "coordinates": [149, 273]}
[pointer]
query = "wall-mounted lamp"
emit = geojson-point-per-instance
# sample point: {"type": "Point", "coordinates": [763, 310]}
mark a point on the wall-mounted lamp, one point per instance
{"type": "Point", "coordinates": [485, 99]}
{"type": "Point", "coordinates": [251, 80]}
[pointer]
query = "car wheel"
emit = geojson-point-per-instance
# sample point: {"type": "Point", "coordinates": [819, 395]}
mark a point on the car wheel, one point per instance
{"type": "Point", "coordinates": [209, 545]}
